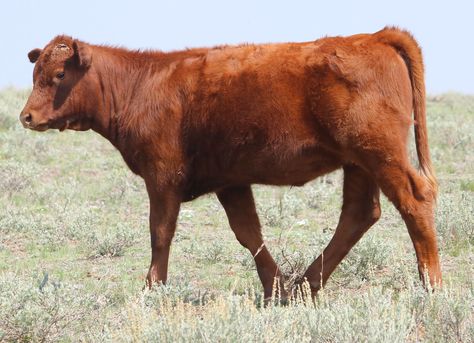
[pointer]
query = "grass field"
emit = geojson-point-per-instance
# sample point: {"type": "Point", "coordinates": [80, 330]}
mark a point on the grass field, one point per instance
{"type": "Point", "coordinates": [74, 251]}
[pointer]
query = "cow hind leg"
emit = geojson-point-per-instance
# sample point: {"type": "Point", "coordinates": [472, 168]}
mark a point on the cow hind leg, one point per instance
{"type": "Point", "coordinates": [414, 198]}
{"type": "Point", "coordinates": [360, 210]}
{"type": "Point", "coordinates": [239, 206]}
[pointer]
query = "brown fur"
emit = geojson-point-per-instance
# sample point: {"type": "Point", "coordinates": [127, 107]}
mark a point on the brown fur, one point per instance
{"type": "Point", "coordinates": [221, 119]}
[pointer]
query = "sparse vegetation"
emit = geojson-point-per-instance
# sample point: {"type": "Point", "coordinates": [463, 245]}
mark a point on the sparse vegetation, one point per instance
{"type": "Point", "coordinates": [74, 251]}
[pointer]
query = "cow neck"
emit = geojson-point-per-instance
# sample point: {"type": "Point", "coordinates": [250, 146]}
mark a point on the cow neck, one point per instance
{"type": "Point", "coordinates": [119, 74]}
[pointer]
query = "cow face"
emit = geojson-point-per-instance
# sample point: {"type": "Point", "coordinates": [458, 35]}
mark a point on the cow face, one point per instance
{"type": "Point", "coordinates": [62, 96]}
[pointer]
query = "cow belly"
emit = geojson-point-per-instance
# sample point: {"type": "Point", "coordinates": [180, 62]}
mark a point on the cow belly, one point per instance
{"type": "Point", "coordinates": [290, 172]}
{"type": "Point", "coordinates": [295, 171]}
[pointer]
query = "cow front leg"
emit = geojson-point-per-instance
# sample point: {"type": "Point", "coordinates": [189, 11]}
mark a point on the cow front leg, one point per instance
{"type": "Point", "coordinates": [164, 210]}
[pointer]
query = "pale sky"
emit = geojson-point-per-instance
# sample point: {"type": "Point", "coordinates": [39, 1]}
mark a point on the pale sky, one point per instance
{"type": "Point", "coordinates": [444, 29]}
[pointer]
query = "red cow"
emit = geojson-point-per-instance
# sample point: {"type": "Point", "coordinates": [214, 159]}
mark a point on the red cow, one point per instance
{"type": "Point", "coordinates": [221, 119]}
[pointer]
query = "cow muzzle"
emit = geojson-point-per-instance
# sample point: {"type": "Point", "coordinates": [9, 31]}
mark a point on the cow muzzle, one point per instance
{"type": "Point", "coordinates": [28, 121]}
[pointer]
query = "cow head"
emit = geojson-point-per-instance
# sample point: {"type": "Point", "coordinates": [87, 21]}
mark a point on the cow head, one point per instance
{"type": "Point", "coordinates": [63, 88]}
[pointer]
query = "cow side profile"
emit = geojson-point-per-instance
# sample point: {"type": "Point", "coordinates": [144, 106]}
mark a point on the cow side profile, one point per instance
{"type": "Point", "coordinates": [221, 119]}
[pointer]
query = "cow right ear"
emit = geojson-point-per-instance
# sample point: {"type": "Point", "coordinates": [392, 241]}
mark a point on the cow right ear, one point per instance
{"type": "Point", "coordinates": [83, 53]}
{"type": "Point", "coordinates": [34, 54]}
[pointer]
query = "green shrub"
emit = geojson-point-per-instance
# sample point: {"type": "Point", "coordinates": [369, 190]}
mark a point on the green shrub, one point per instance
{"type": "Point", "coordinates": [41, 310]}
{"type": "Point", "coordinates": [113, 243]}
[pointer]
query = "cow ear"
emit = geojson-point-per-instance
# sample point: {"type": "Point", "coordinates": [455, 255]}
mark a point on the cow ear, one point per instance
{"type": "Point", "coordinates": [34, 54]}
{"type": "Point", "coordinates": [82, 54]}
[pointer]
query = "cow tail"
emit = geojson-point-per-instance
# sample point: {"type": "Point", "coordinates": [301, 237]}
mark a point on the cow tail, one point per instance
{"type": "Point", "coordinates": [410, 51]}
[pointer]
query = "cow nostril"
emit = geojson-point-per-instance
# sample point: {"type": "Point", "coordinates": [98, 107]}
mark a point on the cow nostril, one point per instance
{"type": "Point", "coordinates": [28, 118]}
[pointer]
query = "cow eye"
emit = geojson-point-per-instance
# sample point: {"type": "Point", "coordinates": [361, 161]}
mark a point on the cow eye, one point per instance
{"type": "Point", "coordinates": [60, 75]}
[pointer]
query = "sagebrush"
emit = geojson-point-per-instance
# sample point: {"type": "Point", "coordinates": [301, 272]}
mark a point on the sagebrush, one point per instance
{"type": "Point", "coordinates": [74, 251]}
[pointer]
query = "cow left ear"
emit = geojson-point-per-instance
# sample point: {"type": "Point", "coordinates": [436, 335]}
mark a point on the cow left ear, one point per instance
{"type": "Point", "coordinates": [82, 54]}
{"type": "Point", "coordinates": [33, 55]}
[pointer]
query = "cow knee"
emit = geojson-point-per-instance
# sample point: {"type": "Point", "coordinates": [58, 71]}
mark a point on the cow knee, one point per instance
{"type": "Point", "coordinates": [374, 214]}
{"type": "Point", "coordinates": [161, 238]}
